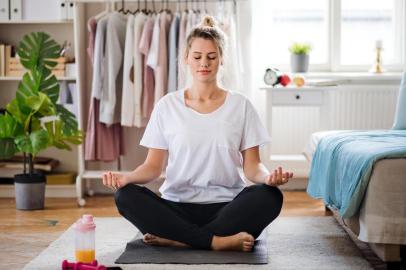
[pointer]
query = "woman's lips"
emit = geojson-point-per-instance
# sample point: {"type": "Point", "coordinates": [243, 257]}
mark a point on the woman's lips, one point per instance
{"type": "Point", "coordinates": [204, 72]}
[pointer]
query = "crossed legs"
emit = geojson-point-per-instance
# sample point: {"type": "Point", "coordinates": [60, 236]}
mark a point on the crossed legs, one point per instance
{"type": "Point", "coordinates": [220, 226]}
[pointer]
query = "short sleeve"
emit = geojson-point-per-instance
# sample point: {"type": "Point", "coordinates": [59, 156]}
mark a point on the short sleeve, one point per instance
{"type": "Point", "coordinates": [254, 132]}
{"type": "Point", "coordinates": [154, 134]}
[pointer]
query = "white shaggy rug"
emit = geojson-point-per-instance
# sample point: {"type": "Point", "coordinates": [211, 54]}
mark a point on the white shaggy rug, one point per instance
{"type": "Point", "coordinates": [293, 243]}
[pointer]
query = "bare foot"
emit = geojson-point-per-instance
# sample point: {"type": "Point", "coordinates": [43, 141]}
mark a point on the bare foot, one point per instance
{"type": "Point", "coordinates": [239, 242]}
{"type": "Point", "coordinates": [151, 239]}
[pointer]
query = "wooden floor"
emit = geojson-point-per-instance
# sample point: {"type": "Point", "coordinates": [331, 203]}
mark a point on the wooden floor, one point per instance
{"type": "Point", "coordinates": [24, 234]}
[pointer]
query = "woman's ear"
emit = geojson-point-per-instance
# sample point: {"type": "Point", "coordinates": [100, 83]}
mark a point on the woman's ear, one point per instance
{"type": "Point", "coordinates": [185, 58]}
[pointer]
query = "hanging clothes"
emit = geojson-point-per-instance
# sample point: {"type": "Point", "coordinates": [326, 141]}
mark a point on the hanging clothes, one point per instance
{"type": "Point", "coordinates": [161, 73]}
{"type": "Point", "coordinates": [110, 113]}
{"type": "Point", "coordinates": [148, 79]}
{"type": "Point", "coordinates": [139, 22]}
{"type": "Point", "coordinates": [231, 71]}
{"type": "Point", "coordinates": [127, 104]}
{"type": "Point", "coordinates": [181, 50]}
{"type": "Point", "coordinates": [102, 143]}
{"type": "Point", "coordinates": [173, 50]}
{"type": "Point", "coordinates": [131, 115]}
{"type": "Point", "coordinates": [92, 24]}
{"type": "Point", "coordinates": [152, 60]}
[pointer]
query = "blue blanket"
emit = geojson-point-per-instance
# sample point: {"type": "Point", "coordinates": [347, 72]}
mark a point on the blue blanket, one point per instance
{"type": "Point", "coordinates": [343, 162]}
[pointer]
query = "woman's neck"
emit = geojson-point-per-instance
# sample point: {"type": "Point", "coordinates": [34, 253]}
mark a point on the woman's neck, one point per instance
{"type": "Point", "coordinates": [204, 91]}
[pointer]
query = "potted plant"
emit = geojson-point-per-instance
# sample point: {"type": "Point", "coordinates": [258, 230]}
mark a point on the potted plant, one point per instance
{"type": "Point", "coordinates": [299, 58]}
{"type": "Point", "coordinates": [33, 120]}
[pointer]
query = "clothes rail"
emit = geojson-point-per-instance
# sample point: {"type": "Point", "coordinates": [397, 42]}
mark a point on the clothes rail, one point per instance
{"type": "Point", "coordinates": [155, 1]}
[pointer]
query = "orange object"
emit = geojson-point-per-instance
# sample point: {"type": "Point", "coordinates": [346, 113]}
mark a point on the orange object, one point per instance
{"type": "Point", "coordinates": [298, 80]}
{"type": "Point", "coordinates": [85, 256]}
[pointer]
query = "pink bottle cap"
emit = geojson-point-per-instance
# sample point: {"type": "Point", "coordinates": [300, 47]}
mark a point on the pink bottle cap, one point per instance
{"type": "Point", "coordinates": [85, 223]}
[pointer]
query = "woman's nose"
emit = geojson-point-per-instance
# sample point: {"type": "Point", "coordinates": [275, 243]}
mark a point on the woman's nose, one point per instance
{"type": "Point", "coordinates": [204, 63]}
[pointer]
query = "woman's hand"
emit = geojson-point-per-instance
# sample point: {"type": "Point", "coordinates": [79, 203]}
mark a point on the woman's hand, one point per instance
{"type": "Point", "coordinates": [115, 180]}
{"type": "Point", "coordinates": [278, 177]}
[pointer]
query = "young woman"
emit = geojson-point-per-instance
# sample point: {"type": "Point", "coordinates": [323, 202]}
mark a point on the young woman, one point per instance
{"type": "Point", "coordinates": [208, 134]}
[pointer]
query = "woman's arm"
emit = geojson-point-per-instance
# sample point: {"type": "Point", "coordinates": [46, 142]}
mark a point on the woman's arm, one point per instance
{"type": "Point", "coordinates": [256, 172]}
{"type": "Point", "coordinates": [146, 172]}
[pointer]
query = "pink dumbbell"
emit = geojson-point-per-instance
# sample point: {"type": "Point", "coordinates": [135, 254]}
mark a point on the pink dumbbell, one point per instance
{"type": "Point", "coordinates": [66, 265]}
{"type": "Point", "coordinates": [82, 266]}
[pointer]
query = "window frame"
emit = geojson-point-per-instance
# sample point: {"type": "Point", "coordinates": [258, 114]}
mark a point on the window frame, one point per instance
{"type": "Point", "coordinates": [335, 39]}
{"type": "Point", "coordinates": [333, 32]}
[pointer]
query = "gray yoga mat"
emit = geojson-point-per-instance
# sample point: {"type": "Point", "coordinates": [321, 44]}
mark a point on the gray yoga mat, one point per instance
{"type": "Point", "coordinates": [137, 252]}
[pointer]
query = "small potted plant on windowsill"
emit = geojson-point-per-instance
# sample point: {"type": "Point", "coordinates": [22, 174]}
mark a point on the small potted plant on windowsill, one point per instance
{"type": "Point", "coordinates": [299, 58]}
{"type": "Point", "coordinates": [33, 120]}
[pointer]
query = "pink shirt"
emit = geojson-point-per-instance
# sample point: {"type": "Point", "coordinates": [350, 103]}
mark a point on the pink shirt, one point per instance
{"type": "Point", "coordinates": [149, 80]}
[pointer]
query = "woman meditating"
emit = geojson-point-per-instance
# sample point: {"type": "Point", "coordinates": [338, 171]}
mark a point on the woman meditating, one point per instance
{"type": "Point", "coordinates": [208, 134]}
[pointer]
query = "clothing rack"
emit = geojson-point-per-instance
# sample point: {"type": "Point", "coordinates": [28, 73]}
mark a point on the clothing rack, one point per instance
{"type": "Point", "coordinates": [80, 32]}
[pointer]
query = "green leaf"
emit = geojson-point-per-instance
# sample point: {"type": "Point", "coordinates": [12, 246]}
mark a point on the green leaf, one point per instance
{"type": "Point", "coordinates": [50, 87]}
{"type": "Point", "coordinates": [39, 141]}
{"type": "Point", "coordinates": [300, 48]}
{"type": "Point", "coordinates": [24, 144]}
{"type": "Point", "coordinates": [34, 142]}
{"type": "Point", "coordinates": [41, 104]}
{"type": "Point", "coordinates": [8, 126]}
{"type": "Point", "coordinates": [8, 148]}
{"type": "Point", "coordinates": [37, 49]}
{"type": "Point", "coordinates": [70, 125]}
{"type": "Point", "coordinates": [14, 109]}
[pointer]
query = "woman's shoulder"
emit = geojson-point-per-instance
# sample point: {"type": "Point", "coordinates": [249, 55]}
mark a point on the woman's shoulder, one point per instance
{"type": "Point", "coordinates": [170, 98]}
{"type": "Point", "coordinates": [237, 97]}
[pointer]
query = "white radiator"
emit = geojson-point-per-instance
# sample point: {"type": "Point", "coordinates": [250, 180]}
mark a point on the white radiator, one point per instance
{"type": "Point", "coordinates": [348, 107]}
{"type": "Point", "coordinates": [361, 107]}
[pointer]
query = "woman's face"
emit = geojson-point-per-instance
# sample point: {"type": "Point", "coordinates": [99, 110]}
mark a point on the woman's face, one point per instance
{"type": "Point", "coordinates": [203, 60]}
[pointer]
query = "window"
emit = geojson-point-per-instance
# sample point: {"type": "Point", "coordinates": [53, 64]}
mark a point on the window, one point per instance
{"type": "Point", "coordinates": [363, 22]}
{"type": "Point", "coordinates": [343, 33]}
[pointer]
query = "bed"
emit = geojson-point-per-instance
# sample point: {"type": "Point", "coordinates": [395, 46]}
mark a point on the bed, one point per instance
{"type": "Point", "coordinates": [380, 218]}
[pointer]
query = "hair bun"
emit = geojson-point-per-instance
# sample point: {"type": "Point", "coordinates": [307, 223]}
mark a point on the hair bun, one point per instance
{"type": "Point", "coordinates": [208, 21]}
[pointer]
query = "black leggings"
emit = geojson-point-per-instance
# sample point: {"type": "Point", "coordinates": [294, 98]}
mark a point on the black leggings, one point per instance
{"type": "Point", "coordinates": [254, 208]}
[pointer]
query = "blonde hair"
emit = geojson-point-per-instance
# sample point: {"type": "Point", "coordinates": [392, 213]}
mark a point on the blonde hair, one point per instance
{"type": "Point", "coordinates": [207, 29]}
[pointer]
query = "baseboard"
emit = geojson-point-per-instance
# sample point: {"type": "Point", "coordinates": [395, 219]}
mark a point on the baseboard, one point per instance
{"type": "Point", "coordinates": [51, 191]}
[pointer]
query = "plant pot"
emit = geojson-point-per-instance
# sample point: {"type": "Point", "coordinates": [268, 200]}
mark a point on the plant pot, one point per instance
{"type": "Point", "coordinates": [299, 62]}
{"type": "Point", "coordinates": [29, 191]}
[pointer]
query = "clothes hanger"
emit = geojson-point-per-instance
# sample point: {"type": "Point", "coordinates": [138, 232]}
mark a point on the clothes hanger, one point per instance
{"type": "Point", "coordinates": [167, 7]}
{"type": "Point", "coordinates": [153, 10]}
{"type": "Point", "coordinates": [197, 9]}
{"type": "Point", "coordinates": [177, 6]}
{"type": "Point", "coordinates": [137, 10]}
{"type": "Point", "coordinates": [205, 6]}
{"type": "Point", "coordinates": [122, 7]}
{"type": "Point", "coordinates": [145, 9]}
{"type": "Point", "coordinates": [187, 6]}
{"type": "Point", "coordinates": [100, 15]}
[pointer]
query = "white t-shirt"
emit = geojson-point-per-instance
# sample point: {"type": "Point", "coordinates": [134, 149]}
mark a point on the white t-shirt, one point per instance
{"type": "Point", "coordinates": [204, 161]}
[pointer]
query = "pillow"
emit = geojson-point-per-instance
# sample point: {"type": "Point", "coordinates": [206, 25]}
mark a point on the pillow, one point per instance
{"type": "Point", "coordinates": [400, 115]}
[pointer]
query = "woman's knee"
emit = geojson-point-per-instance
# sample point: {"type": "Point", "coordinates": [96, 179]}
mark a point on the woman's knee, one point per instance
{"type": "Point", "coordinates": [125, 196]}
{"type": "Point", "coordinates": [270, 195]}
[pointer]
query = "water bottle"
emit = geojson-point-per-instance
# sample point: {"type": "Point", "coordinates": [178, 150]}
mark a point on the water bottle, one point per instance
{"type": "Point", "coordinates": [85, 239]}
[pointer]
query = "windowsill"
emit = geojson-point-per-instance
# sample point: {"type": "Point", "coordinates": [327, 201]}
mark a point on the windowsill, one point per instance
{"type": "Point", "coordinates": [356, 77]}
{"type": "Point", "coordinates": [334, 79]}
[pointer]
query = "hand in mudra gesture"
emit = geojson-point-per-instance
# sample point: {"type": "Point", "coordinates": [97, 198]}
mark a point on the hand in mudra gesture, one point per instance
{"type": "Point", "coordinates": [278, 177]}
{"type": "Point", "coordinates": [114, 180]}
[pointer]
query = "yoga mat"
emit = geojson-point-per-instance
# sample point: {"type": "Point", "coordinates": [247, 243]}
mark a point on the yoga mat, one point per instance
{"type": "Point", "coordinates": [137, 252]}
